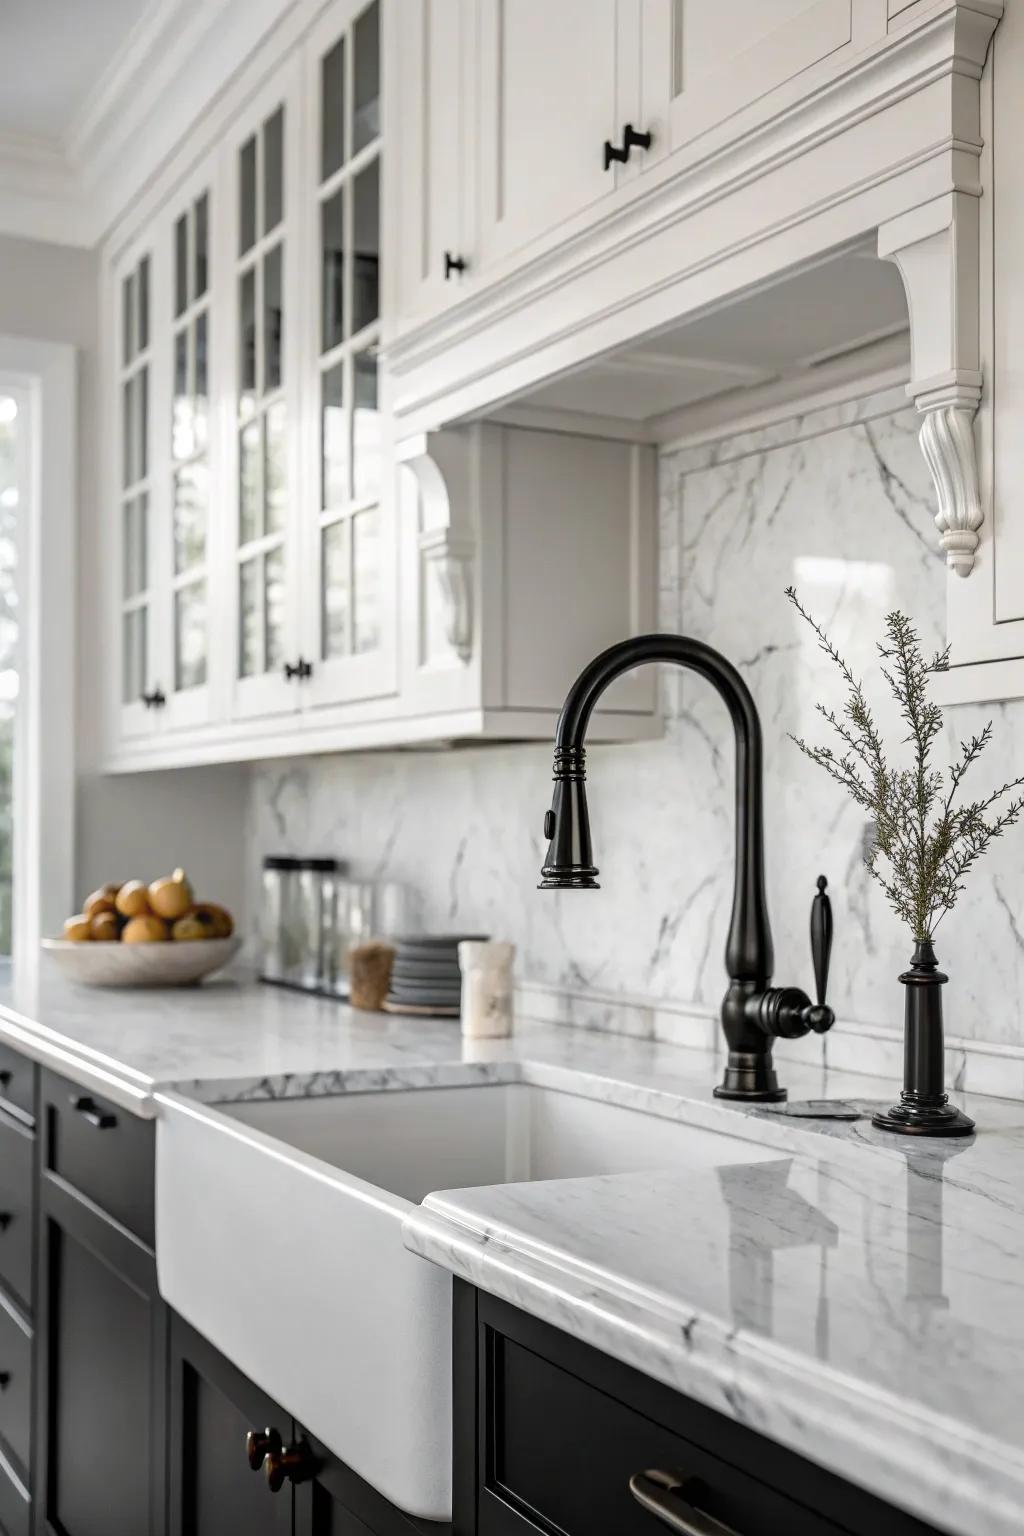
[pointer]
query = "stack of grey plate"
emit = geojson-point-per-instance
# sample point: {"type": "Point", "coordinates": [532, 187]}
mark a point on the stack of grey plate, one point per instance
{"type": "Point", "coordinates": [425, 976]}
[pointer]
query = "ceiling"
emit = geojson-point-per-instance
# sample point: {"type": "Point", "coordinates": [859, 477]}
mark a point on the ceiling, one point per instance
{"type": "Point", "coordinates": [839, 307]}
{"type": "Point", "coordinates": [53, 56]}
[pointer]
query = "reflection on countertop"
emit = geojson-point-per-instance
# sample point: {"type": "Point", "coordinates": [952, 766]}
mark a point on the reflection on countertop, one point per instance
{"type": "Point", "coordinates": [853, 1296]}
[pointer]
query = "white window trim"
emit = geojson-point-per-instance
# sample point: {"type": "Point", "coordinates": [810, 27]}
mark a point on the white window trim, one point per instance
{"type": "Point", "coordinates": [44, 374]}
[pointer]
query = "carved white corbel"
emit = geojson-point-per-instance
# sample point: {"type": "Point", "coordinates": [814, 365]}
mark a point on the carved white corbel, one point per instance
{"type": "Point", "coordinates": [442, 463]}
{"type": "Point", "coordinates": [936, 250]}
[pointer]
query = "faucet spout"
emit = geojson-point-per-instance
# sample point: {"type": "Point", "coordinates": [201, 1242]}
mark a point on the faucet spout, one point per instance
{"type": "Point", "coordinates": [753, 1012]}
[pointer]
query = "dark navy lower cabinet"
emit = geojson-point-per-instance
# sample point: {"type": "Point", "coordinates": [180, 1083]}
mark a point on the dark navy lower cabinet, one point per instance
{"type": "Point", "coordinates": [550, 1434]}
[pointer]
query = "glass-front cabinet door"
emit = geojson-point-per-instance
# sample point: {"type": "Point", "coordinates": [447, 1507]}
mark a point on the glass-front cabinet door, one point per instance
{"type": "Point", "coordinates": [267, 663]}
{"type": "Point", "coordinates": [189, 459]}
{"type": "Point", "coordinates": [140, 689]}
{"type": "Point", "coordinates": [349, 617]}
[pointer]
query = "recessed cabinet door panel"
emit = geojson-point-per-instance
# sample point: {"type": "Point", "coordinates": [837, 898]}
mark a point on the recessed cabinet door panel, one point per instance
{"type": "Point", "coordinates": [547, 82]}
{"type": "Point", "coordinates": [100, 1423]}
{"type": "Point", "coordinates": [213, 1489]}
{"type": "Point", "coordinates": [430, 125]}
{"type": "Point", "coordinates": [725, 56]}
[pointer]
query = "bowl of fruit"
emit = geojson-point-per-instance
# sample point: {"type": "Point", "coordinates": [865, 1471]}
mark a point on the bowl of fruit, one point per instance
{"type": "Point", "coordinates": [132, 934]}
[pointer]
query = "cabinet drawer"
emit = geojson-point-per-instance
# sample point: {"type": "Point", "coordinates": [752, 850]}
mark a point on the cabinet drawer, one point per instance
{"type": "Point", "coordinates": [15, 1506]}
{"type": "Point", "coordinates": [15, 1384]}
{"type": "Point", "coordinates": [103, 1151]}
{"type": "Point", "coordinates": [17, 1083]}
{"type": "Point", "coordinates": [561, 1431]}
{"type": "Point", "coordinates": [561, 1454]}
{"type": "Point", "coordinates": [17, 1146]}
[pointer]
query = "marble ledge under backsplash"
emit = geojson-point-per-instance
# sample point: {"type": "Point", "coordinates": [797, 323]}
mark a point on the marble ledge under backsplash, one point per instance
{"type": "Point", "coordinates": [875, 1050]}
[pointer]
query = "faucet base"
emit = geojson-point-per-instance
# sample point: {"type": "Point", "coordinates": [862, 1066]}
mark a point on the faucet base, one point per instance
{"type": "Point", "coordinates": [750, 1076]}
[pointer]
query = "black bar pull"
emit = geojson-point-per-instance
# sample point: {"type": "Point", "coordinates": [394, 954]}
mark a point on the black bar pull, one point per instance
{"type": "Point", "coordinates": [300, 669]}
{"type": "Point", "coordinates": [85, 1105]}
{"type": "Point", "coordinates": [5, 1220]}
{"type": "Point", "coordinates": [5, 1380]}
{"type": "Point", "coordinates": [155, 700]}
{"type": "Point", "coordinates": [5, 1078]}
{"type": "Point", "coordinates": [452, 264]}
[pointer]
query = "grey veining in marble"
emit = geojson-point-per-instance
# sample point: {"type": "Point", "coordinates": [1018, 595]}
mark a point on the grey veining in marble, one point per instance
{"type": "Point", "coordinates": [829, 1296]}
{"type": "Point", "coordinates": [855, 1299]}
{"type": "Point", "coordinates": [838, 501]}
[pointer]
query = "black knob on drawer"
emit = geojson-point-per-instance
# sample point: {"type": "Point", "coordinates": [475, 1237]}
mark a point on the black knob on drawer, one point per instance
{"type": "Point", "coordinates": [5, 1380]}
{"type": "Point", "coordinates": [293, 1463]}
{"type": "Point", "coordinates": [5, 1220]}
{"type": "Point", "coordinates": [259, 1444]}
{"type": "Point", "coordinates": [452, 264]}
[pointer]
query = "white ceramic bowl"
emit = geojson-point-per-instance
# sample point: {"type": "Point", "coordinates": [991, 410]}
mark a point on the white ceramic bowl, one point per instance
{"type": "Point", "coordinates": [167, 964]}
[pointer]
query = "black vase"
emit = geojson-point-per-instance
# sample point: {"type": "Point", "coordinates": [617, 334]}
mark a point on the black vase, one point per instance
{"type": "Point", "coordinates": [923, 1109]}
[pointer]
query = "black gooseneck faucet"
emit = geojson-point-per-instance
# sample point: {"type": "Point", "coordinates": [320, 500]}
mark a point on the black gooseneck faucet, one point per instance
{"type": "Point", "coordinates": [754, 1012]}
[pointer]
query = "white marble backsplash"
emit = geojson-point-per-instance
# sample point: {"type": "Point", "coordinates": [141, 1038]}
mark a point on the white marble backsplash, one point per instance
{"type": "Point", "coordinates": [838, 502]}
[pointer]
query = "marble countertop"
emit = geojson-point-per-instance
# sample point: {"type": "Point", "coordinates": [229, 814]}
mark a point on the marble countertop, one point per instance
{"type": "Point", "coordinates": [853, 1296]}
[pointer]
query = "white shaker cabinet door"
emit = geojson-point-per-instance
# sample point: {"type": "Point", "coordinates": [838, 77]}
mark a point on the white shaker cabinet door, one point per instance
{"type": "Point", "coordinates": [712, 63]}
{"type": "Point", "coordinates": [548, 101]}
{"type": "Point", "coordinates": [428, 114]}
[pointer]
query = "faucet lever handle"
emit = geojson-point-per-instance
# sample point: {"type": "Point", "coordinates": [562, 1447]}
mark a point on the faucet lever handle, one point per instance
{"type": "Point", "coordinates": [820, 1016]}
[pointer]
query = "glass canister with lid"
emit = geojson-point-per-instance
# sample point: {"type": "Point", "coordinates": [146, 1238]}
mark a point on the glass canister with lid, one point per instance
{"type": "Point", "coordinates": [281, 936]}
{"type": "Point", "coordinates": [318, 884]}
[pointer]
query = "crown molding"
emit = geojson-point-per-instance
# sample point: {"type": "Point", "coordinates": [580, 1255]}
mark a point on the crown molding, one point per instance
{"type": "Point", "coordinates": [175, 60]}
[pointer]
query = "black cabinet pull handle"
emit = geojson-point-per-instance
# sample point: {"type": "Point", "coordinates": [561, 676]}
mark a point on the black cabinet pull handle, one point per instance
{"type": "Point", "coordinates": [259, 1444]}
{"type": "Point", "coordinates": [660, 1493]}
{"type": "Point", "coordinates": [155, 700]}
{"type": "Point", "coordinates": [632, 139]}
{"type": "Point", "coordinates": [5, 1220]}
{"type": "Point", "coordinates": [5, 1380]}
{"type": "Point", "coordinates": [85, 1105]}
{"type": "Point", "coordinates": [452, 264]}
{"type": "Point", "coordinates": [5, 1077]}
{"type": "Point", "coordinates": [300, 669]}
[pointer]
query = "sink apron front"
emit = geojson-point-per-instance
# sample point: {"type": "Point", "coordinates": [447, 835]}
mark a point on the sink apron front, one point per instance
{"type": "Point", "coordinates": [362, 1351]}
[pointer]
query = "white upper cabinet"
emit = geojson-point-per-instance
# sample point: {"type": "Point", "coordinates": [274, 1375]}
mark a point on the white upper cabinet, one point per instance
{"type": "Point", "coordinates": [187, 451]}
{"type": "Point", "coordinates": [349, 554]}
{"type": "Point", "coordinates": [703, 64]}
{"type": "Point", "coordinates": [427, 46]}
{"type": "Point", "coordinates": [547, 104]}
{"type": "Point", "coordinates": [263, 247]}
{"type": "Point", "coordinates": [137, 588]}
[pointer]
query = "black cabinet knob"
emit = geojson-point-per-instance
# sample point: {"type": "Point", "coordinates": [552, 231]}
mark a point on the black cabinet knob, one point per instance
{"type": "Point", "coordinates": [5, 1380]}
{"type": "Point", "coordinates": [155, 700]}
{"type": "Point", "coordinates": [5, 1220]}
{"type": "Point", "coordinates": [632, 138]}
{"type": "Point", "coordinates": [452, 264]}
{"type": "Point", "coordinates": [292, 1463]}
{"type": "Point", "coordinates": [299, 670]}
{"type": "Point", "coordinates": [259, 1444]}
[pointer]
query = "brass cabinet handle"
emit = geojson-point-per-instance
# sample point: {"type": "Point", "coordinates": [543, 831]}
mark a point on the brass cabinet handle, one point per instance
{"type": "Point", "coordinates": [661, 1494]}
{"type": "Point", "coordinates": [259, 1444]}
{"type": "Point", "coordinates": [296, 1463]}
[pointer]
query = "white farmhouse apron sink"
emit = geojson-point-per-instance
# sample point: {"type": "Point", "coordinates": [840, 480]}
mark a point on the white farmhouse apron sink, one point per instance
{"type": "Point", "coordinates": [279, 1237]}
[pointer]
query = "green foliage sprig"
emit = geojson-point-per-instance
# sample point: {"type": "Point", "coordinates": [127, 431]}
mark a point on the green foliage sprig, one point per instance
{"type": "Point", "coordinates": [923, 845]}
